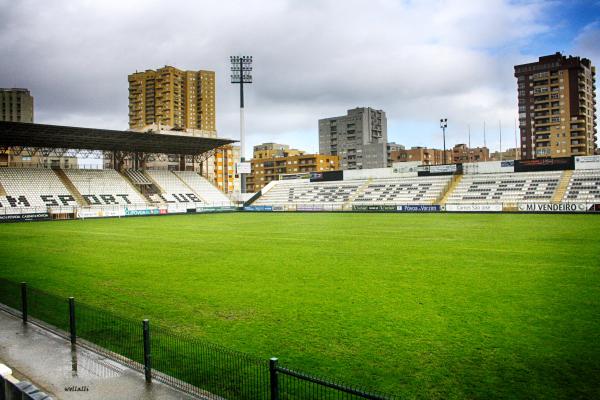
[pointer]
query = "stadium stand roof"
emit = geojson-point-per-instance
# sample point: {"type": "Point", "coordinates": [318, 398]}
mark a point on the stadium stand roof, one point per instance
{"type": "Point", "coordinates": [69, 137]}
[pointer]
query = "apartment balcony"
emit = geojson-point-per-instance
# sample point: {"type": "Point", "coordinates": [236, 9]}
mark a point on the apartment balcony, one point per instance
{"type": "Point", "coordinates": [542, 101]}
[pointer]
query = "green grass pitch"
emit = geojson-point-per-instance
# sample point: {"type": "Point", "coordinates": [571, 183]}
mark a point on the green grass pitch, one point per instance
{"type": "Point", "coordinates": [422, 305]}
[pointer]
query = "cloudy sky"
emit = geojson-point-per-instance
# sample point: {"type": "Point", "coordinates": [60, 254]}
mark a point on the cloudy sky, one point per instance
{"type": "Point", "coordinates": [417, 60]}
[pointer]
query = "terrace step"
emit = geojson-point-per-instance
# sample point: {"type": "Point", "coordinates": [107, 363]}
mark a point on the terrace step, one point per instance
{"type": "Point", "coordinates": [562, 187]}
{"type": "Point", "coordinates": [361, 190]}
{"type": "Point", "coordinates": [2, 190]}
{"type": "Point", "coordinates": [449, 189]}
{"type": "Point", "coordinates": [128, 179]}
{"type": "Point", "coordinates": [70, 187]}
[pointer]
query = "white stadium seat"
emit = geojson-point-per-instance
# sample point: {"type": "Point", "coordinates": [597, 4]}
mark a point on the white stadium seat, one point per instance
{"type": "Point", "coordinates": [207, 191]}
{"type": "Point", "coordinates": [523, 187]}
{"type": "Point", "coordinates": [33, 187]}
{"type": "Point", "coordinates": [584, 187]}
{"type": "Point", "coordinates": [175, 190]}
{"type": "Point", "coordinates": [101, 187]}
{"type": "Point", "coordinates": [413, 190]}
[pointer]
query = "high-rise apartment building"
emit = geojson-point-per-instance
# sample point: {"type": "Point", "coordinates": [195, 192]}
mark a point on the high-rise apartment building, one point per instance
{"type": "Point", "coordinates": [557, 107]}
{"type": "Point", "coordinates": [172, 98]}
{"type": "Point", "coordinates": [358, 138]}
{"type": "Point", "coordinates": [16, 105]}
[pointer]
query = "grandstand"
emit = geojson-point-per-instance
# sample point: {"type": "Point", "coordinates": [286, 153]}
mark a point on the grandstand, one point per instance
{"type": "Point", "coordinates": [507, 186]}
{"type": "Point", "coordinates": [74, 192]}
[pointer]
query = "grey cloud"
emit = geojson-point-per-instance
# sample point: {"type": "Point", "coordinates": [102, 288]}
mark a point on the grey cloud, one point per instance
{"type": "Point", "coordinates": [416, 60]}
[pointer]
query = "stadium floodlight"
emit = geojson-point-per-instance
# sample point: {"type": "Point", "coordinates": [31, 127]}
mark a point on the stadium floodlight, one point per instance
{"type": "Point", "coordinates": [241, 73]}
{"type": "Point", "coordinates": [444, 125]}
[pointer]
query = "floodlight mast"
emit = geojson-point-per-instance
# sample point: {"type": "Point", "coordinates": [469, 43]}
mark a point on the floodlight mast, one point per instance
{"type": "Point", "coordinates": [444, 125]}
{"type": "Point", "coordinates": [241, 73]}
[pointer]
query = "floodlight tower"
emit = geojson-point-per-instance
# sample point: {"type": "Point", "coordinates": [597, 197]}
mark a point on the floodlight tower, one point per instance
{"type": "Point", "coordinates": [444, 125]}
{"type": "Point", "coordinates": [241, 73]}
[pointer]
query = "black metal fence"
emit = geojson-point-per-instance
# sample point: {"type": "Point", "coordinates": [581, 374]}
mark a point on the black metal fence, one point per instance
{"type": "Point", "coordinates": [188, 363]}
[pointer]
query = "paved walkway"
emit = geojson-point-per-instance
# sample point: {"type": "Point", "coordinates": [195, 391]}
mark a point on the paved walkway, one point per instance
{"type": "Point", "coordinates": [48, 362]}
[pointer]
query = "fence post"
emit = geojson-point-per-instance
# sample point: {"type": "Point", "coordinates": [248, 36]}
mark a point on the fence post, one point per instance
{"type": "Point", "coordinates": [24, 301]}
{"type": "Point", "coordinates": [274, 378]}
{"type": "Point", "coordinates": [72, 322]}
{"type": "Point", "coordinates": [147, 352]}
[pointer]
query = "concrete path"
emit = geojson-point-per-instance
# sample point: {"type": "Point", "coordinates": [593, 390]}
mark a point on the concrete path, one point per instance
{"type": "Point", "coordinates": [48, 362]}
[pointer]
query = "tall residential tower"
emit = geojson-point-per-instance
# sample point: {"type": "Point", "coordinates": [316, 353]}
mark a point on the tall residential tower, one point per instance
{"type": "Point", "coordinates": [358, 138]}
{"type": "Point", "coordinates": [172, 98]}
{"type": "Point", "coordinates": [16, 105]}
{"type": "Point", "coordinates": [557, 107]}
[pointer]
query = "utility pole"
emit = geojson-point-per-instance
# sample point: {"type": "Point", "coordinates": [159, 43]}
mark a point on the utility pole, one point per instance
{"type": "Point", "coordinates": [500, 133]}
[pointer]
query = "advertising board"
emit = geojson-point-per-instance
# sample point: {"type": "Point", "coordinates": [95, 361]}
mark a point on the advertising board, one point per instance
{"type": "Point", "coordinates": [442, 169]}
{"type": "Point", "coordinates": [24, 217]}
{"type": "Point", "coordinates": [243, 168]}
{"type": "Point", "coordinates": [419, 208]}
{"type": "Point", "coordinates": [474, 207]}
{"type": "Point", "coordinates": [544, 164]}
{"type": "Point", "coordinates": [309, 207]}
{"type": "Point", "coordinates": [258, 208]}
{"type": "Point", "coordinates": [326, 176]}
{"type": "Point", "coordinates": [147, 211]}
{"type": "Point", "coordinates": [374, 208]}
{"type": "Point", "coordinates": [550, 207]}
{"type": "Point", "coordinates": [593, 207]}
{"type": "Point", "coordinates": [88, 214]}
{"type": "Point", "coordinates": [587, 162]}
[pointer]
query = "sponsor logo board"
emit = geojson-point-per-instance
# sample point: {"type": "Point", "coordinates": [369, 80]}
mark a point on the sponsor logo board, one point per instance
{"type": "Point", "coordinates": [153, 211]}
{"type": "Point", "coordinates": [24, 217]}
{"type": "Point", "coordinates": [258, 208]}
{"type": "Point", "coordinates": [419, 208]}
{"type": "Point", "coordinates": [474, 207]}
{"type": "Point", "coordinates": [550, 207]}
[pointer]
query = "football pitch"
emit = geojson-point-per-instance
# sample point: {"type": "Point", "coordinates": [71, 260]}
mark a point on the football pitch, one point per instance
{"type": "Point", "coordinates": [420, 305]}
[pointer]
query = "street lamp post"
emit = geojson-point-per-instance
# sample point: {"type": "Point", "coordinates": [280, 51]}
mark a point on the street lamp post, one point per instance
{"type": "Point", "coordinates": [444, 125]}
{"type": "Point", "coordinates": [241, 73]}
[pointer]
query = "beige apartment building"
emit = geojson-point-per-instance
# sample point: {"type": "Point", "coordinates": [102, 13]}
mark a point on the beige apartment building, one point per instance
{"type": "Point", "coordinates": [424, 155]}
{"type": "Point", "coordinates": [557, 107]}
{"type": "Point", "coordinates": [460, 153]}
{"type": "Point", "coordinates": [272, 160]}
{"type": "Point", "coordinates": [172, 98]}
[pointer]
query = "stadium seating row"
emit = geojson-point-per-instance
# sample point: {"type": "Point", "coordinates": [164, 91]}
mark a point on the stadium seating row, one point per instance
{"type": "Point", "coordinates": [496, 188]}
{"type": "Point", "coordinates": [413, 190]}
{"type": "Point", "coordinates": [529, 187]}
{"type": "Point", "coordinates": [584, 187]}
{"type": "Point", "coordinates": [34, 188]}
